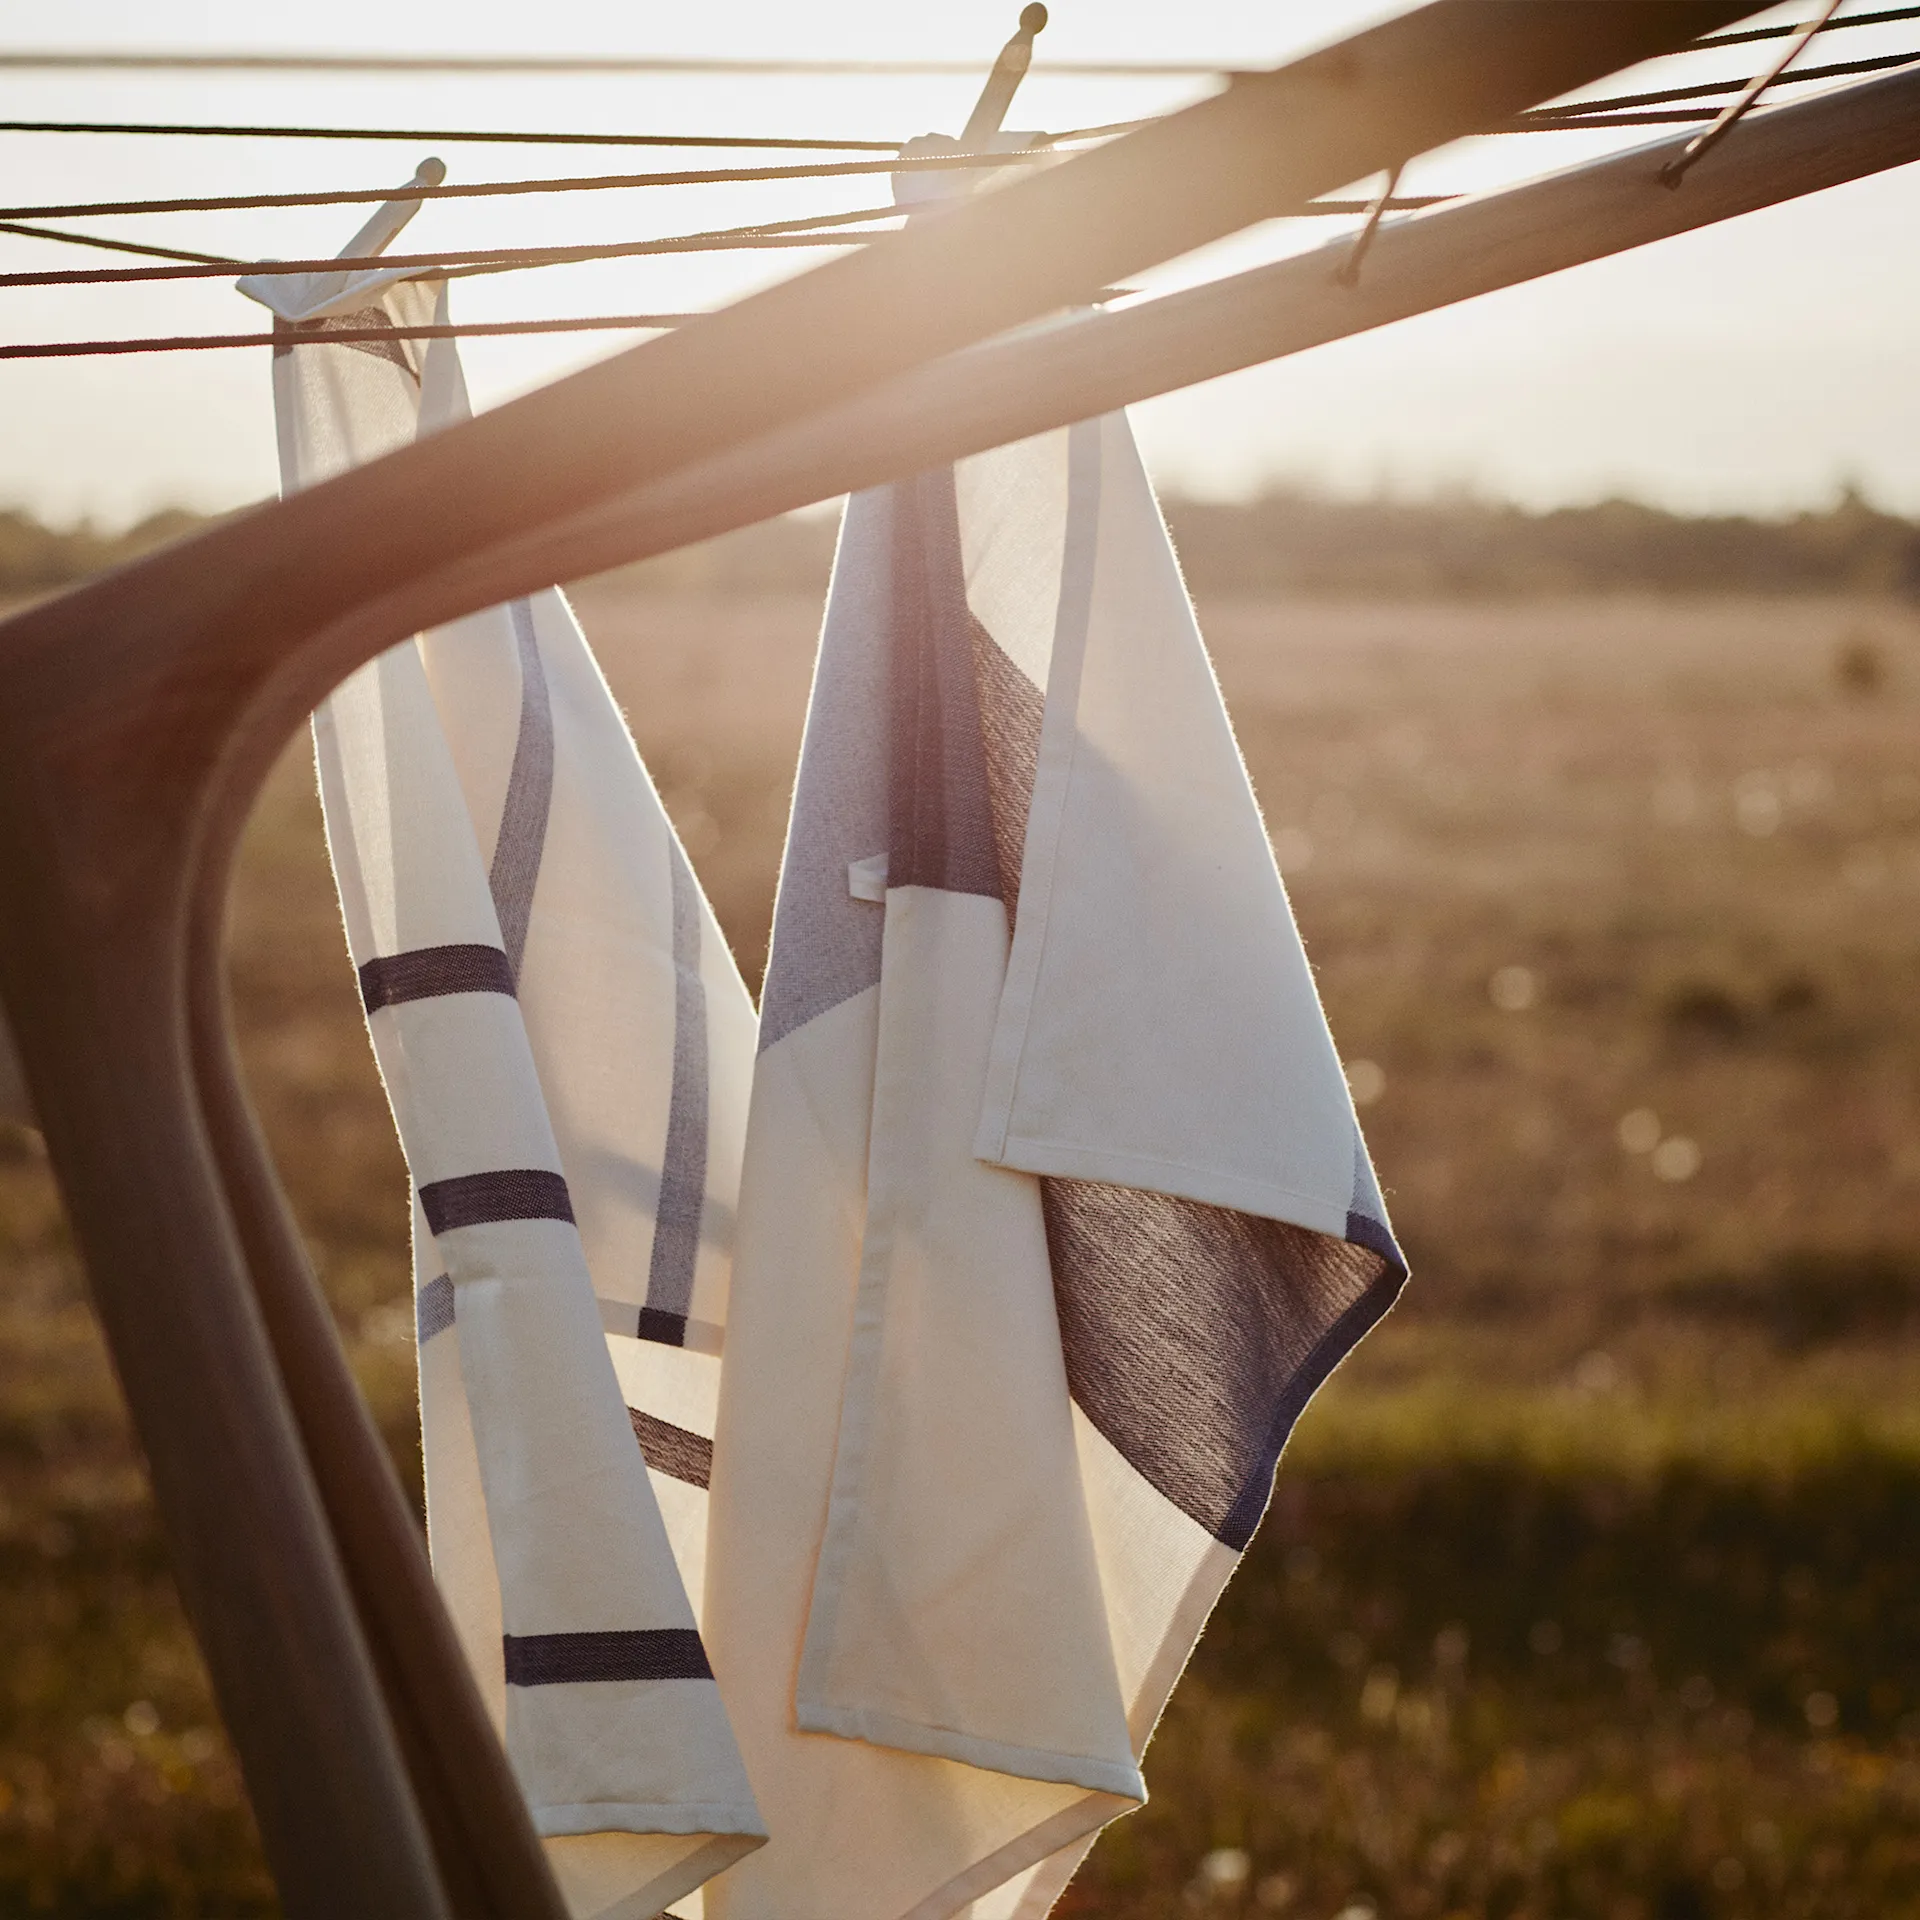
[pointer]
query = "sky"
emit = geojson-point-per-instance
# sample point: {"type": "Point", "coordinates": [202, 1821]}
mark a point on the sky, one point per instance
{"type": "Point", "coordinates": [1754, 367]}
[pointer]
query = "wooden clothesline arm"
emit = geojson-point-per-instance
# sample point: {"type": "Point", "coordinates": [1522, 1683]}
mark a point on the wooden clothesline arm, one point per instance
{"type": "Point", "coordinates": [1001, 392]}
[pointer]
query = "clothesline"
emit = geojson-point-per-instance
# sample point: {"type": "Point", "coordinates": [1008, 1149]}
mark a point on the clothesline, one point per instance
{"type": "Point", "coordinates": [348, 336]}
{"type": "Point", "coordinates": [1742, 35]}
{"type": "Point", "coordinates": [485, 189]}
{"type": "Point", "coordinates": [1543, 118]}
{"type": "Point", "coordinates": [824, 230]}
{"type": "Point", "coordinates": [64, 59]}
{"type": "Point", "coordinates": [770, 234]}
{"type": "Point", "coordinates": [23, 232]}
{"type": "Point", "coordinates": [502, 137]}
{"type": "Point", "coordinates": [497, 137]}
{"type": "Point", "coordinates": [1879, 63]}
{"type": "Point", "coordinates": [1583, 116]}
{"type": "Point", "coordinates": [89, 60]}
{"type": "Point", "coordinates": [1579, 123]}
{"type": "Point", "coordinates": [776, 233]}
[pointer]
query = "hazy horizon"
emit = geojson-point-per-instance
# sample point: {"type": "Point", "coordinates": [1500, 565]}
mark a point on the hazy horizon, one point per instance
{"type": "Point", "coordinates": [1751, 368]}
{"type": "Point", "coordinates": [1388, 491]}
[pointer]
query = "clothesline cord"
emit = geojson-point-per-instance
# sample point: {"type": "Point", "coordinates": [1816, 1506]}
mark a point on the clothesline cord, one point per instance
{"type": "Point", "coordinates": [1543, 119]}
{"type": "Point", "coordinates": [801, 232]}
{"type": "Point", "coordinates": [1618, 110]}
{"type": "Point", "coordinates": [118, 246]}
{"type": "Point", "coordinates": [498, 136]}
{"type": "Point", "coordinates": [502, 137]}
{"type": "Point", "coordinates": [1740, 36]}
{"type": "Point", "coordinates": [1879, 63]}
{"type": "Point", "coordinates": [1104, 131]}
{"type": "Point", "coordinates": [57, 59]}
{"type": "Point", "coordinates": [347, 336]}
{"type": "Point", "coordinates": [776, 233]}
{"type": "Point", "coordinates": [446, 135]}
{"type": "Point", "coordinates": [54, 59]}
{"type": "Point", "coordinates": [485, 189]}
{"type": "Point", "coordinates": [1584, 123]}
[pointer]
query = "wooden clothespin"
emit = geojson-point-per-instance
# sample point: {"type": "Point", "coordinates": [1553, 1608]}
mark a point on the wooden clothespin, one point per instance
{"type": "Point", "coordinates": [302, 297]}
{"type": "Point", "coordinates": [990, 110]}
{"type": "Point", "coordinates": [982, 131]}
{"type": "Point", "coordinates": [1003, 82]}
{"type": "Point", "coordinates": [392, 215]}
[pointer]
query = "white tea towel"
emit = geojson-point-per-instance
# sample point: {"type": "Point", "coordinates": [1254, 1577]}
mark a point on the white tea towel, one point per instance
{"type": "Point", "coordinates": [568, 1049]}
{"type": "Point", "coordinates": [1054, 1212]}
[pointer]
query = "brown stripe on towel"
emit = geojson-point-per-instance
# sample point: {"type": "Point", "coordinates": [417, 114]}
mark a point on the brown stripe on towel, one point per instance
{"type": "Point", "coordinates": [289, 334]}
{"type": "Point", "coordinates": [678, 1452]}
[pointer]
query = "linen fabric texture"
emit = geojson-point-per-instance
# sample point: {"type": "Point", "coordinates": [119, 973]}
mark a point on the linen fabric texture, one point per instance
{"type": "Point", "coordinates": [1054, 1208]}
{"type": "Point", "coordinates": [568, 1050]}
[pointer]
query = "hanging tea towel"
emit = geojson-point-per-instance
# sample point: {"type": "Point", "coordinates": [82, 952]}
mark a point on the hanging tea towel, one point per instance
{"type": "Point", "coordinates": [1054, 1210]}
{"type": "Point", "coordinates": [568, 1049]}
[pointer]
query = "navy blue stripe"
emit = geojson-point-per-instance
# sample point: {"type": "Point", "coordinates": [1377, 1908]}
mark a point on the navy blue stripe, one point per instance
{"type": "Point", "coordinates": [523, 815]}
{"type": "Point", "coordinates": [683, 1159]}
{"type": "Point", "coordinates": [480, 1199]}
{"type": "Point", "coordinates": [425, 973]}
{"type": "Point", "coordinates": [434, 1307]}
{"type": "Point", "coordinates": [1365, 1231]}
{"type": "Point", "coordinates": [563, 1659]}
{"type": "Point", "coordinates": [1340, 1339]}
{"type": "Point", "coordinates": [1193, 1335]}
{"type": "Point", "coordinates": [664, 1329]}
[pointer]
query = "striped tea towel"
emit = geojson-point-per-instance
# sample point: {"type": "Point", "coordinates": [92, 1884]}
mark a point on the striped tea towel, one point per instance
{"type": "Point", "coordinates": [568, 1048]}
{"type": "Point", "coordinates": [1054, 1211]}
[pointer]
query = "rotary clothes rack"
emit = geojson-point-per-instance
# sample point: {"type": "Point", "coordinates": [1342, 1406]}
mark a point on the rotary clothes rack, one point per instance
{"type": "Point", "coordinates": [144, 709]}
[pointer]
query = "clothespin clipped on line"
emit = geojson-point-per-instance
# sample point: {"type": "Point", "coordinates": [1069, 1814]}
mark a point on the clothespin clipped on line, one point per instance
{"type": "Point", "coordinates": [300, 297]}
{"type": "Point", "coordinates": [391, 216]}
{"type": "Point", "coordinates": [1002, 83]}
{"type": "Point", "coordinates": [982, 133]}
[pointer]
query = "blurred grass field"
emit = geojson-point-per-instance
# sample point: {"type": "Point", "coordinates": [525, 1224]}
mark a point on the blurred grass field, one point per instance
{"type": "Point", "coordinates": [1592, 1584]}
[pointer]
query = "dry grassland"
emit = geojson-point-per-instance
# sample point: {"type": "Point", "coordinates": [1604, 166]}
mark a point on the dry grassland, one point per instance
{"type": "Point", "coordinates": [1593, 1587]}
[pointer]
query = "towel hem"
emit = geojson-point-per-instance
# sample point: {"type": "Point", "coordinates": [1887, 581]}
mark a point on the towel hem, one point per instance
{"type": "Point", "coordinates": [612, 1816]}
{"type": "Point", "coordinates": [1080, 1820]}
{"type": "Point", "coordinates": [1319, 1213]}
{"type": "Point", "coordinates": [647, 1901]}
{"type": "Point", "coordinates": [880, 1729]}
